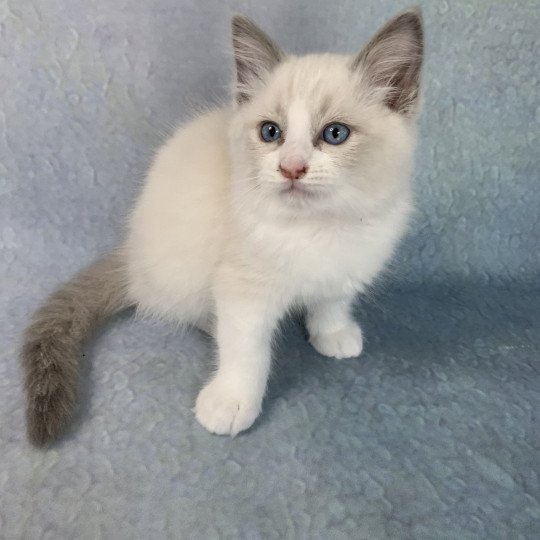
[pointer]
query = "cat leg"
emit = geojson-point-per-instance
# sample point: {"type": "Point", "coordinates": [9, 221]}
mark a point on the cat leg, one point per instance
{"type": "Point", "coordinates": [231, 401]}
{"type": "Point", "coordinates": [332, 330]}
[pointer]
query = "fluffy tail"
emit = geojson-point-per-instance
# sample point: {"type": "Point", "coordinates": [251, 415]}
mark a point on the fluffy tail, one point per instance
{"type": "Point", "coordinates": [52, 344]}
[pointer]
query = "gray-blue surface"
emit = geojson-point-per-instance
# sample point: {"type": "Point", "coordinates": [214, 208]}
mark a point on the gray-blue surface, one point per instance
{"type": "Point", "coordinates": [433, 433]}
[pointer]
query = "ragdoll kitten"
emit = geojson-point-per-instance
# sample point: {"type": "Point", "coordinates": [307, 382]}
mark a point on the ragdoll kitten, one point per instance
{"type": "Point", "coordinates": [294, 195]}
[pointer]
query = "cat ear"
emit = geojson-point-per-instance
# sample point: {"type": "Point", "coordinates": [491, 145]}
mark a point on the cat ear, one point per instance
{"type": "Point", "coordinates": [392, 61]}
{"type": "Point", "coordinates": [255, 54]}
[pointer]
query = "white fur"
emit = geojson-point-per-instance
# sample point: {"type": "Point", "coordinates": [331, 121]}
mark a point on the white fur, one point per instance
{"type": "Point", "coordinates": [215, 236]}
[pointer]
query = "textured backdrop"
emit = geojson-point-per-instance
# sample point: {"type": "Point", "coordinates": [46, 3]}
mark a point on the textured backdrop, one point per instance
{"type": "Point", "coordinates": [433, 433]}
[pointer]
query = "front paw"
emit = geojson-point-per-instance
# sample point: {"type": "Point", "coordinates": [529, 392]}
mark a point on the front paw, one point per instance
{"type": "Point", "coordinates": [344, 343]}
{"type": "Point", "coordinates": [224, 409]}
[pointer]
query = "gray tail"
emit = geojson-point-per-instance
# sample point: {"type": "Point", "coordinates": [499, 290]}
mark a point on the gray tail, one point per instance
{"type": "Point", "coordinates": [52, 344]}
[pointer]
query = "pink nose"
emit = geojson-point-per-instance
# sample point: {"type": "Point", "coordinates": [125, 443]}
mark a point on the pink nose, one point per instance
{"type": "Point", "coordinates": [293, 167]}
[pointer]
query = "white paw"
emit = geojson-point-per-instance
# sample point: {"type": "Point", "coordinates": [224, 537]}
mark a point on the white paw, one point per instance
{"type": "Point", "coordinates": [223, 410]}
{"type": "Point", "coordinates": [344, 343]}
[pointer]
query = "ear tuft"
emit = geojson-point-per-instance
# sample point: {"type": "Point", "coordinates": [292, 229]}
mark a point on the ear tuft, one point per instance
{"type": "Point", "coordinates": [392, 61]}
{"type": "Point", "coordinates": [255, 54]}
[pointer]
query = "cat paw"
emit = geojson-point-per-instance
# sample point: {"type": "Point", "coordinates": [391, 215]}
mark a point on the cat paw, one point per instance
{"type": "Point", "coordinates": [223, 410]}
{"type": "Point", "coordinates": [344, 343]}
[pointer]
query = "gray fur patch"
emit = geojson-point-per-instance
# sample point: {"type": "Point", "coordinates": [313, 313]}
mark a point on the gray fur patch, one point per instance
{"type": "Point", "coordinates": [52, 344]}
{"type": "Point", "coordinates": [392, 61]}
{"type": "Point", "coordinates": [255, 55]}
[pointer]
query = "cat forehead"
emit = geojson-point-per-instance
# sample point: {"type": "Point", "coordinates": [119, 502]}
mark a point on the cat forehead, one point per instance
{"type": "Point", "coordinates": [320, 81]}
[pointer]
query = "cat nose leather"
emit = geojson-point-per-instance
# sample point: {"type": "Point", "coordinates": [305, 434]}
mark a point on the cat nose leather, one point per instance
{"type": "Point", "coordinates": [293, 167]}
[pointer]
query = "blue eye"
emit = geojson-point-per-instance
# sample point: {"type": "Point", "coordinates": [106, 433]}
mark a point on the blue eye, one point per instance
{"type": "Point", "coordinates": [335, 133]}
{"type": "Point", "coordinates": [270, 132]}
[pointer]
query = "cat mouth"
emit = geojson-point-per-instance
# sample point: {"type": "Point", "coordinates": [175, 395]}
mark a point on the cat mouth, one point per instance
{"type": "Point", "coordinates": [297, 190]}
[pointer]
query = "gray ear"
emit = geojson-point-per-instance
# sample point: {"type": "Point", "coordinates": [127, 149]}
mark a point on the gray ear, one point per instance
{"type": "Point", "coordinates": [392, 61]}
{"type": "Point", "coordinates": [255, 54]}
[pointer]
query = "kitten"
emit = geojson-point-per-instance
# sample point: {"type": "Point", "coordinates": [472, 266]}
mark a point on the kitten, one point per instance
{"type": "Point", "coordinates": [294, 195]}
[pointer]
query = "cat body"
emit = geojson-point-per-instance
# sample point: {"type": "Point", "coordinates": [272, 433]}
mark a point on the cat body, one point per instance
{"type": "Point", "coordinates": [293, 196]}
{"type": "Point", "coordinates": [188, 231]}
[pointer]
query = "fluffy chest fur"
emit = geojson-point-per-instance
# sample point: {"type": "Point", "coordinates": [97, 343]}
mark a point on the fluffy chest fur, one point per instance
{"type": "Point", "coordinates": [332, 256]}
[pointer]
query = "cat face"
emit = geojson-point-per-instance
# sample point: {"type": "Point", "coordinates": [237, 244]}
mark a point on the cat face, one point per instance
{"type": "Point", "coordinates": [325, 132]}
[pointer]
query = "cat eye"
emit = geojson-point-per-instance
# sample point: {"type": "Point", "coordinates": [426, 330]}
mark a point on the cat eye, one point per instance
{"type": "Point", "coordinates": [270, 132]}
{"type": "Point", "coordinates": [335, 133]}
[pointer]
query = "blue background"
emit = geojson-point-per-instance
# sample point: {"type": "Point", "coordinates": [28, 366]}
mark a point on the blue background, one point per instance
{"type": "Point", "coordinates": [433, 433]}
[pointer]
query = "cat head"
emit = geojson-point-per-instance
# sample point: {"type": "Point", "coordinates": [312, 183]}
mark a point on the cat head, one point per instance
{"type": "Point", "coordinates": [325, 132]}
